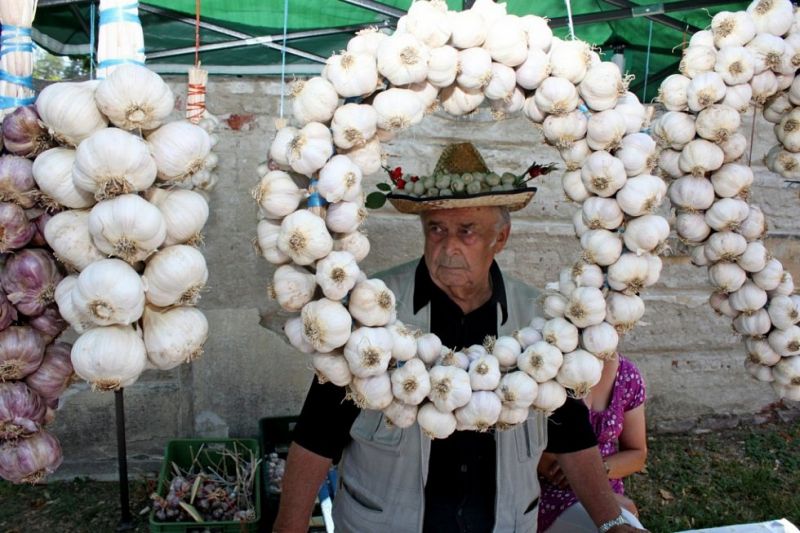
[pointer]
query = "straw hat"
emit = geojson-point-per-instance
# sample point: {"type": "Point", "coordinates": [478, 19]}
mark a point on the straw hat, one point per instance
{"type": "Point", "coordinates": [463, 158]}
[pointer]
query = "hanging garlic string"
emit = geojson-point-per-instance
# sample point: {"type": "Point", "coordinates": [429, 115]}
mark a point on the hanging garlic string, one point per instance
{"type": "Point", "coordinates": [16, 55]}
{"type": "Point", "coordinates": [121, 40]}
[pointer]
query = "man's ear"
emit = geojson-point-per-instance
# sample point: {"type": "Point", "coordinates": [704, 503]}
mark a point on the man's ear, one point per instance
{"type": "Point", "coordinates": [502, 238]}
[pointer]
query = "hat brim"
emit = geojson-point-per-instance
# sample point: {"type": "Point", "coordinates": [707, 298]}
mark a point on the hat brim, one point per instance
{"type": "Point", "coordinates": [514, 200]}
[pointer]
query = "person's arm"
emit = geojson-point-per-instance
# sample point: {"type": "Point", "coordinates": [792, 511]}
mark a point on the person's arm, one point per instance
{"type": "Point", "coordinates": [632, 446]}
{"type": "Point", "coordinates": [587, 478]}
{"type": "Point", "coordinates": [305, 471]}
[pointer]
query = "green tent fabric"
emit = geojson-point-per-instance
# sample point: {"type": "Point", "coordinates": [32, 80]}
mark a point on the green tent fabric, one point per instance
{"type": "Point", "coordinates": [63, 29]}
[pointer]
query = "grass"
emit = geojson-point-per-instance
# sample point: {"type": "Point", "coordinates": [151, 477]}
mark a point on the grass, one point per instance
{"type": "Point", "coordinates": [734, 476]}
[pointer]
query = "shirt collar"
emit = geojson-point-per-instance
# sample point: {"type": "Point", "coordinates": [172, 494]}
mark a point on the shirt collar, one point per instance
{"type": "Point", "coordinates": [424, 288]}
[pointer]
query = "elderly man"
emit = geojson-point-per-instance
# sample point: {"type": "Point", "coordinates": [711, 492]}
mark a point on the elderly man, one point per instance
{"type": "Point", "coordinates": [398, 480]}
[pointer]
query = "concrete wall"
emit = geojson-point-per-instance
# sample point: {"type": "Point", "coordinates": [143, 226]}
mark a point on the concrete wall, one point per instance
{"type": "Point", "coordinates": [692, 361]}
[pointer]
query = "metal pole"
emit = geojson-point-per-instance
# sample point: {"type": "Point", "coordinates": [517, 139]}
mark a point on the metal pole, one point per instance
{"type": "Point", "coordinates": [125, 522]}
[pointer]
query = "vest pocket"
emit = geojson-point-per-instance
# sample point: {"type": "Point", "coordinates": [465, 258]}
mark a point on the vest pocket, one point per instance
{"type": "Point", "coordinates": [371, 428]}
{"type": "Point", "coordinates": [353, 512]}
{"type": "Point", "coordinates": [531, 438]}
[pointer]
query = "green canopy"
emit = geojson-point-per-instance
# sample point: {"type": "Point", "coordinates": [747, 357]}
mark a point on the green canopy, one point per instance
{"type": "Point", "coordinates": [246, 36]}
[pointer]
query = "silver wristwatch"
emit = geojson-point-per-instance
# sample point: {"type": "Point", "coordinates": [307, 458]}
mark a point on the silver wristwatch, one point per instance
{"type": "Point", "coordinates": [618, 521]}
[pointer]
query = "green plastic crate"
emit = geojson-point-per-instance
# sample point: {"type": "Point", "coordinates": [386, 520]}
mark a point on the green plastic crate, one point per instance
{"type": "Point", "coordinates": [181, 452]}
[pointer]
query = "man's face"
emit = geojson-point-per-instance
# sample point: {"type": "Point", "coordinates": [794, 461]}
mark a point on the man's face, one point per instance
{"type": "Point", "coordinates": [460, 245]}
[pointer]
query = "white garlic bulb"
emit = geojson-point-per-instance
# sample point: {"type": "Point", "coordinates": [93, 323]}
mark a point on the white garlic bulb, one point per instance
{"type": "Point", "coordinates": [759, 351]}
{"type": "Point", "coordinates": [326, 324]}
{"type": "Point", "coordinates": [586, 307]}
{"type": "Point", "coordinates": [128, 227]}
{"type": "Point", "coordinates": [356, 243]}
{"type": "Point", "coordinates": [556, 96]}
{"type": "Point", "coordinates": [398, 109]}
{"type": "Point", "coordinates": [304, 237]}
{"type": "Point", "coordinates": [507, 41]}
{"type": "Point", "coordinates": [601, 212]}
{"type": "Point", "coordinates": [641, 194]}
{"type": "Point", "coordinates": [561, 333]}
{"type": "Point", "coordinates": [67, 309]}
{"type": "Point", "coordinates": [374, 392]}
{"type": "Point", "coordinates": [726, 276]}
{"type": "Point", "coordinates": [668, 162]}
{"type": "Point", "coordinates": [480, 413]}
{"type": "Point", "coordinates": [784, 312]}
{"type": "Point", "coordinates": [314, 100]}
{"type": "Point", "coordinates": [748, 299]}
{"type": "Point", "coordinates": [672, 92]}
{"type": "Point", "coordinates": [541, 360]}
{"type": "Point", "coordinates": [674, 130]}
{"type": "Point", "coordinates": [720, 303]}
{"type": "Point", "coordinates": [336, 274]}
{"type": "Point", "coordinates": [484, 373]}
{"type": "Point", "coordinates": [692, 193]}
{"type": "Point", "coordinates": [368, 351]}
{"type": "Point", "coordinates": [532, 111]}
{"type": "Point", "coordinates": [633, 111]}
{"type": "Point", "coordinates": [603, 174]}
{"type": "Point", "coordinates": [771, 16]}
{"type": "Point", "coordinates": [736, 65]}
{"type": "Point", "coordinates": [601, 86]}
{"type": "Point", "coordinates": [434, 423]}
{"type": "Point", "coordinates": [738, 97]}
{"type": "Point", "coordinates": [732, 180]}
{"type": "Point", "coordinates": [601, 246]}
{"type": "Point", "coordinates": [623, 310]}
{"type": "Point", "coordinates": [52, 171]}
{"type": "Point", "coordinates": [526, 336]}
{"type": "Point", "coordinates": [458, 101]}
{"type": "Point", "coordinates": [110, 357]}
{"type": "Point", "coordinates": [575, 154]}
{"type": "Point", "coordinates": [429, 348]}
{"type": "Point", "coordinates": [785, 342]}
{"type": "Point", "coordinates": [353, 73]}
{"type": "Point", "coordinates": [67, 233]}
{"type": "Point", "coordinates": [69, 110]}
{"type": "Point", "coordinates": [134, 97]}
{"type": "Point", "coordinates": [700, 156]}
{"type": "Point", "coordinates": [353, 125]}
{"type": "Point", "coordinates": [109, 292]}
{"type": "Point", "coordinates": [293, 287]}
{"type": "Point", "coordinates": [345, 217]}
{"type": "Point", "coordinates": [754, 324]}
{"type": "Point", "coordinates": [266, 242]}
{"type": "Point", "coordinates": [697, 59]}
{"type": "Point", "coordinates": [573, 186]}
{"type": "Point", "coordinates": [180, 149]}
{"type": "Point", "coordinates": [293, 328]}
{"type": "Point", "coordinates": [450, 388]}
{"type": "Point", "coordinates": [717, 122]}
{"type": "Point", "coordinates": [555, 305]}
{"type": "Point", "coordinates": [502, 83]}
{"type": "Point", "coordinates": [174, 336]}
{"type": "Point", "coordinates": [310, 149]}
{"type": "Point", "coordinates": [402, 59]}
{"type": "Point", "coordinates": [646, 234]}
{"type": "Point", "coordinates": [111, 162]}
{"type": "Point", "coordinates": [442, 66]}
{"type": "Point", "coordinates": [534, 70]}
{"type": "Point", "coordinates": [279, 148]}
{"type": "Point", "coordinates": [564, 131]}
{"type": "Point", "coordinates": [400, 415]}
{"type": "Point", "coordinates": [754, 226]}
{"type": "Point", "coordinates": [770, 277]}
{"type": "Point", "coordinates": [175, 275]}
{"type": "Point", "coordinates": [601, 340]}
{"type": "Point", "coordinates": [705, 89]}
{"type": "Point", "coordinates": [474, 68]}
{"type": "Point", "coordinates": [732, 28]}
{"type": "Point", "coordinates": [517, 390]}
{"type": "Point", "coordinates": [506, 349]}
{"type": "Point", "coordinates": [734, 147]}
{"type": "Point", "coordinates": [638, 153]}
{"type": "Point", "coordinates": [754, 258]}
{"type": "Point", "coordinates": [776, 107]}
{"type": "Point", "coordinates": [551, 396]}
{"type": "Point", "coordinates": [727, 214]}
{"type": "Point", "coordinates": [605, 130]}
{"type": "Point", "coordinates": [570, 59]}
{"type": "Point", "coordinates": [185, 213]}
{"type": "Point", "coordinates": [372, 303]}
{"type": "Point", "coordinates": [404, 341]}
{"type": "Point", "coordinates": [411, 383]}
{"type": "Point", "coordinates": [785, 287]}
{"type": "Point", "coordinates": [692, 228]}
{"type": "Point", "coordinates": [629, 273]}
{"type": "Point", "coordinates": [429, 22]}
{"type": "Point", "coordinates": [331, 368]}
{"type": "Point", "coordinates": [579, 372]}
{"type": "Point", "coordinates": [468, 29]}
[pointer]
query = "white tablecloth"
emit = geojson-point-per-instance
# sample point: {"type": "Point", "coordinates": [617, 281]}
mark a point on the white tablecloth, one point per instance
{"type": "Point", "coordinates": [773, 526]}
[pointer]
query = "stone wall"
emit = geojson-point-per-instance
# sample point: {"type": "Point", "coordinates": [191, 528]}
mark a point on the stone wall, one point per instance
{"type": "Point", "coordinates": [690, 358]}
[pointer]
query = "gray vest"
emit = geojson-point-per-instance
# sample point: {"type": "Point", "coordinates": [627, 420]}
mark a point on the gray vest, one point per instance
{"type": "Point", "coordinates": [383, 470]}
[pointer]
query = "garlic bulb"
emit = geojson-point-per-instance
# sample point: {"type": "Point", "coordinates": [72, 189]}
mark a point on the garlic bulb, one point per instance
{"type": "Point", "coordinates": [175, 276]}
{"type": "Point", "coordinates": [411, 383]}
{"type": "Point", "coordinates": [326, 324]}
{"type": "Point", "coordinates": [586, 307]}
{"type": "Point", "coordinates": [692, 228]}
{"type": "Point", "coordinates": [717, 122]}
{"type": "Point", "coordinates": [434, 423]}
{"type": "Point", "coordinates": [304, 237]}
{"type": "Point", "coordinates": [506, 349]}
{"type": "Point", "coordinates": [601, 246]}
{"type": "Point", "coordinates": [629, 273]}
{"type": "Point", "coordinates": [672, 92]}
{"type": "Point", "coordinates": [128, 227]}
{"type": "Point", "coordinates": [720, 302]}
{"type": "Point", "coordinates": [754, 226]}
{"type": "Point", "coordinates": [474, 68]}
{"type": "Point", "coordinates": [563, 131]}
{"type": "Point", "coordinates": [738, 97]}
{"type": "Point", "coordinates": [556, 95]}
{"type": "Point", "coordinates": [770, 277]}
{"type": "Point", "coordinates": [368, 351]}
{"type": "Point", "coordinates": [573, 186]}
{"type": "Point", "coordinates": [635, 114]}
{"type": "Point", "coordinates": [404, 341]}
{"type": "Point", "coordinates": [331, 368]}
{"type": "Point", "coordinates": [732, 180]}
{"type": "Point", "coordinates": [760, 352]}
{"type": "Point", "coordinates": [367, 157]}
{"type": "Point", "coordinates": [602, 213]}
{"type": "Point", "coordinates": [645, 234]}
{"type": "Point", "coordinates": [134, 97]}
{"type": "Point", "coordinates": [531, 111]}
{"type": "Point", "coordinates": [110, 357]}
{"type": "Point", "coordinates": [67, 233]}
{"type": "Point", "coordinates": [502, 83]}
{"type": "Point", "coordinates": [540, 36]}
{"type": "Point", "coordinates": [702, 38]}
{"type": "Point", "coordinates": [755, 324]}
{"type": "Point", "coordinates": [429, 348]}
{"type": "Point", "coordinates": [398, 109]}
{"type": "Point", "coordinates": [507, 41]}
{"type": "Point", "coordinates": [356, 243]}
{"type": "Point", "coordinates": [52, 171]}
{"type": "Point", "coordinates": [587, 275]}
{"type": "Point", "coordinates": [345, 217]}
{"type": "Point", "coordinates": [400, 415]}
{"type": "Point", "coordinates": [727, 214]}
{"type": "Point", "coordinates": [517, 390]}
{"type": "Point", "coordinates": [550, 396]}
{"type": "Point", "coordinates": [353, 125]}
{"type": "Point", "coordinates": [468, 29]}
{"type": "Point", "coordinates": [458, 101]}
{"type": "Point", "coordinates": [267, 242]}
{"type": "Point", "coordinates": [732, 28]}
{"type": "Point", "coordinates": [785, 342]}
{"type": "Point", "coordinates": [174, 336]}
{"type": "Point", "coordinates": [725, 246]}
{"type": "Point", "coordinates": [605, 130]}
{"type": "Point", "coordinates": [279, 149]}
{"type": "Point", "coordinates": [353, 73]}
{"type": "Point", "coordinates": [336, 274]}
{"type": "Point", "coordinates": [429, 22]}
{"type": "Point", "coordinates": [372, 303]}
{"type": "Point", "coordinates": [697, 59]}
{"type": "Point", "coordinates": [692, 193]}
{"type": "Point", "coordinates": [705, 89]}
{"type": "Point", "coordinates": [754, 258]}
{"type": "Point", "coordinates": [442, 66]}
{"type": "Point", "coordinates": [785, 287]}
{"type": "Point", "coordinates": [569, 59]}
{"type": "Point", "coordinates": [579, 372]}
{"type": "Point", "coordinates": [764, 85]}
{"type": "Point", "coordinates": [623, 310]}
{"type": "Point", "coordinates": [788, 131]}
{"type": "Point", "coordinates": [578, 223]}
{"type": "Point", "coordinates": [748, 299]}
{"type": "Point", "coordinates": [776, 107]}
{"type": "Point", "coordinates": [700, 156]}
{"type": "Point", "coordinates": [180, 149]}
{"type": "Point", "coordinates": [726, 276]}
{"type": "Point", "coordinates": [534, 70]}
{"type": "Point", "coordinates": [480, 413]}
{"type": "Point", "coordinates": [767, 52]}
{"type": "Point", "coordinates": [641, 195]}
{"type": "Point", "coordinates": [784, 312]}
{"type": "Point", "coordinates": [293, 328]}
{"type": "Point", "coordinates": [674, 130]}
{"type": "Point", "coordinates": [67, 309]}
{"type": "Point", "coordinates": [402, 59]}
{"type": "Point", "coordinates": [601, 86]}
{"type": "Point", "coordinates": [484, 373]}
{"type": "Point", "coordinates": [310, 149]}
{"type": "Point", "coordinates": [109, 292]}
{"type": "Point", "coordinates": [314, 100]}
{"type": "Point", "coordinates": [452, 358]}
{"type": "Point", "coordinates": [293, 287]}
{"type": "Point", "coordinates": [603, 174]}
{"type": "Point", "coordinates": [112, 162]}
{"type": "Point", "coordinates": [771, 16]}
{"type": "Point", "coordinates": [541, 360]}
{"type": "Point", "coordinates": [561, 333]}
{"type": "Point", "coordinates": [733, 147]}
{"type": "Point", "coordinates": [69, 110]}
{"type": "Point", "coordinates": [527, 336]}
{"type": "Point", "coordinates": [735, 64]}
{"type": "Point", "coordinates": [637, 152]}
{"type": "Point", "coordinates": [601, 340]}
{"type": "Point", "coordinates": [450, 388]}
{"type": "Point", "coordinates": [668, 162]}
{"type": "Point", "coordinates": [374, 392]}
{"type": "Point", "coordinates": [185, 213]}
{"type": "Point", "coordinates": [555, 305]}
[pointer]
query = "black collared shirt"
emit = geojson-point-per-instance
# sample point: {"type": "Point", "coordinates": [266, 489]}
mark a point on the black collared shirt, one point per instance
{"type": "Point", "coordinates": [461, 486]}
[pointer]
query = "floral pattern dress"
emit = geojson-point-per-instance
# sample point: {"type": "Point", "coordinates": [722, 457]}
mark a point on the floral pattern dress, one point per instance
{"type": "Point", "coordinates": [628, 392]}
